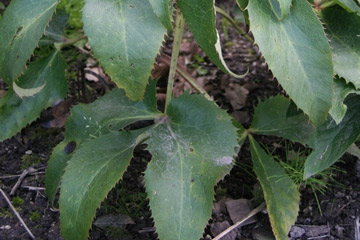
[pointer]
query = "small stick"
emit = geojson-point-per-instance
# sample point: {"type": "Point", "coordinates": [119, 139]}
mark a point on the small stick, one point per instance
{"type": "Point", "coordinates": [251, 214]}
{"type": "Point", "coordinates": [357, 228]}
{"type": "Point", "coordinates": [18, 175]}
{"type": "Point", "coordinates": [318, 237]}
{"type": "Point", "coordinates": [21, 178]}
{"type": "Point", "coordinates": [17, 214]}
{"type": "Point", "coordinates": [34, 188]}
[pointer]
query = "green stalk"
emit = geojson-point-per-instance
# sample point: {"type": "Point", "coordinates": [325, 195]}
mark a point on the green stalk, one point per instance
{"type": "Point", "coordinates": [234, 24]}
{"type": "Point", "coordinates": [178, 32]}
{"type": "Point", "coordinates": [327, 4]}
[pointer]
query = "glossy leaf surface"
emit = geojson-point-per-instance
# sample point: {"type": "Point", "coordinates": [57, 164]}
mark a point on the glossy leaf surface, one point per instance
{"type": "Point", "coordinates": [113, 111]}
{"type": "Point", "coordinates": [21, 27]}
{"type": "Point", "coordinates": [48, 74]}
{"type": "Point", "coordinates": [125, 37]}
{"type": "Point", "coordinates": [298, 54]}
{"type": "Point", "coordinates": [343, 30]}
{"type": "Point", "coordinates": [192, 150]}
{"type": "Point", "coordinates": [281, 194]}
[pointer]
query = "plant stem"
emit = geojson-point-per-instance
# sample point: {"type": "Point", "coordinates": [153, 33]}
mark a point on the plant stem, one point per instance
{"type": "Point", "coordinates": [327, 4]}
{"type": "Point", "coordinates": [185, 74]}
{"type": "Point", "coordinates": [179, 29]}
{"type": "Point", "coordinates": [234, 24]}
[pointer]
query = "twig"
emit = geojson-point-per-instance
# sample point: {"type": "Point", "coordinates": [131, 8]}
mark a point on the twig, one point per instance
{"type": "Point", "coordinates": [251, 214]}
{"type": "Point", "coordinates": [18, 175]}
{"type": "Point", "coordinates": [323, 236]}
{"type": "Point", "coordinates": [357, 229]}
{"type": "Point", "coordinates": [32, 188]}
{"type": "Point", "coordinates": [16, 214]}
{"type": "Point", "coordinates": [21, 178]}
{"type": "Point", "coordinates": [147, 230]}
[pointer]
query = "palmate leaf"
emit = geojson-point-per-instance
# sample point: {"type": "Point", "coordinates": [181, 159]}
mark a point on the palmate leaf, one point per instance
{"type": "Point", "coordinates": [281, 8]}
{"type": "Point", "coordinates": [331, 141]}
{"type": "Point", "coordinates": [192, 150]}
{"type": "Point", "coordinates": [270, 118]}
{"type": "Point", "coordinates": [87, 121]}
{"type": "Point", "coordinates": [298, 54]}
{"type": "Point", "coordinates": [200, 17]}
{"type": "Point", "coordinates": [343, 30]}
{"type": "Point", "coordinates": [125, 37]}
{"type": "Point", "coordinates": [48, 74]}
{"type": "Point", "coordinates": [281, 194]}
{"type": "Point", "coordinates": [21, 27]}
{"type": "Point", "coordinates": [91, 173]}
{"type": "Point", "coordinates": [349, 5]}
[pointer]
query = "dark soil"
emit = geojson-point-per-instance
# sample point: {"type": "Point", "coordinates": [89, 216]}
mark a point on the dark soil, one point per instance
{"type": "Point", "coordinates": [32, 148]}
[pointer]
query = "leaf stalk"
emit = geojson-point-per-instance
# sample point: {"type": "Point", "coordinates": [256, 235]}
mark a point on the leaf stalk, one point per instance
{"type": "Point", "coordinates": [234, 24]}
{"type": "Point", "coordinates": [179, 29]}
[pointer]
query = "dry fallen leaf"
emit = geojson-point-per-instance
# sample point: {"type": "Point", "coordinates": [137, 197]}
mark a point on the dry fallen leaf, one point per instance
{"type": "Point", "coordinates": [236, 95]}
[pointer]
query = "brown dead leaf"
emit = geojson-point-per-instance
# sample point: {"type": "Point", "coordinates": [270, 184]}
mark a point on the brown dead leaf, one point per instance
{"type": "Point", "coordinates": [91, 72]}
{"type": "Point", "coordinates": [236, 95]}
{"type": "Point", "coordinates": [59, 114]}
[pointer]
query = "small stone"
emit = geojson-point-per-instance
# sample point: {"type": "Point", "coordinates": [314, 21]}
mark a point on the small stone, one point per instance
{"type": "Point", "coordinates": [218, 227]}
{"type": "Point", "coordinates": [316, 231]}
{"type": "Point", "coordinates": [239, 209]}
{"type": "Point", "coordinates": [28, 152]}
{"type": "Point", "coordinates": [296, 232]}
{"type": "Point", "coordinates": [5, 227]}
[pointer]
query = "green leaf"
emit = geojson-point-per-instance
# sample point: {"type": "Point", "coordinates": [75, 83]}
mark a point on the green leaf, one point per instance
{"type": "Point", "coordinates": [298, 54]}
{"type": "Point", "coordinates": [47, 73]}
{"type": "Point", "coordinates": [28, 92]}
{"type": "Point", "coordinates": [270, 118]}
{"type": "Point", "coordinates": [242, 4]}
{"type": "Point", "coordinates": [331, 141]}
{"type": "Point", "coordinates": [281, 8]}
{"type": "Point", "coordinates": [281, 194]}
{"type": "Point", "coordinates": [343, 30]}
{"type": "Point", "coordinates": [21, 28]}
{"type": "Point", "coordinates": [162, 9]}
{"type": "Point", "coordinates": [200, 17]}
{"type": "Point", "coordinates": [192, 150]}
{"type": "Point", "coordinates": [125, 37]}
{"type": "Point", "coordinates": [349, 5]}
{"type": "Point", "coordinates": [91, 173]}
{"type": "Point", "coordinates": [113, 111]}
{"type": "Point", "coordinates": [341, 91]}
{"type": "Point", "coordinates": [73, 8]}
{"type": "Point", "coordinates": [56, 29]}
